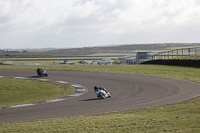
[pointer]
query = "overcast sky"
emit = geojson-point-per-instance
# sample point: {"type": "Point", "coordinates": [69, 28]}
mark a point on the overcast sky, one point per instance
{"type": "Point", "coordinates": [82, 23]}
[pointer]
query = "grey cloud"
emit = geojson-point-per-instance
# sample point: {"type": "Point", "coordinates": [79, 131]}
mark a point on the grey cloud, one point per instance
{"type": "Point", "coordinates": [62, 23]}
{"type": "Point", "coordinates": [4, 19]}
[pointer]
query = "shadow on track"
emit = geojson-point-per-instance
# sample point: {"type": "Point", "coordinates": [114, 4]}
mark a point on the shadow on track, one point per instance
{"type": "Point", "coordinates": [92, 99]}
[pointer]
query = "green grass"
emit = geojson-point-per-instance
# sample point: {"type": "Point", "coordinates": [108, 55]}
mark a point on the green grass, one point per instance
{"type": "Point", "coordinates": [193, 57]}
{"type": "Point", "coordinates": [179, 117]}
{"type": "Point", "coordinates": [113, 54]}
{"type": "Point", "coordinates": [174, 48]}
{"type": "Point", "coordinates": [20, 91]}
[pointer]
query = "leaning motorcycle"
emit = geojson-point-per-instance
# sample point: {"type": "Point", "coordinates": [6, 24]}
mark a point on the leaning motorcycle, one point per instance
{"type": "Point", "coordinates": [42, 73]}
{"type": "Point", "coordinates": [102, 94]}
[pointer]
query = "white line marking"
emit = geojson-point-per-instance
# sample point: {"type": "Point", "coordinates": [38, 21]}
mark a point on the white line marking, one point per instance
{"type": "Point", "coordinates": [76, 94]}
{"type": "Point", "coordinates": [44, 79]}
{"type": "Point", "coordinates": [55, 100]}
{"type": "Point", "coordinates": [19, 77]}
{"type": "Point", "coordinates": [23, 105]}
{"type": "Point", "coordinates": [77, 86]}
{"type": "Point", "coordinates": [81, 90]}
{"type": "Point", "coordinates": [63, 82]}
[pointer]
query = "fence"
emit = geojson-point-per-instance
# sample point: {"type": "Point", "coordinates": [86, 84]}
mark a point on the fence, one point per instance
{"type": "Point", "coordinates": [177, 53]}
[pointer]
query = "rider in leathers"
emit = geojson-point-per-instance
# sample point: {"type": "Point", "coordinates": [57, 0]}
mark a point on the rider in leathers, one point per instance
{"type": "Point", "coordinates": [38, 70]}
{"type": "Point", "coordinates": [96, 89]}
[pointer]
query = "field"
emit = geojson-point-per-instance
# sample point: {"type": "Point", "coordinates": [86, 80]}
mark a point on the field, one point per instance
{"type": "Point", "coordinates": [179, 117]}
{"type": "Point", "coordinates": [54, 56]}
{"type": "Point", "coordinates": [119, 50]}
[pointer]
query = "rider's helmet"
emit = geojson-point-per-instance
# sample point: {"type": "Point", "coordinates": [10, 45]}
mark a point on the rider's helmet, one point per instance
{"type": "Point", "coordinates": [95, 88]}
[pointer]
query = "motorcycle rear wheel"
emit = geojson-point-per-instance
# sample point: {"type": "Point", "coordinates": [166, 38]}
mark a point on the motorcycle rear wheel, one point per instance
{"type": "Point", "coordinates": [102, 95]}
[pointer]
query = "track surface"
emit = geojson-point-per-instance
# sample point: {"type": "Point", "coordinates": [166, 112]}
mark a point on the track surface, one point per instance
{"type": "Point", "coordinates": [128, 91]}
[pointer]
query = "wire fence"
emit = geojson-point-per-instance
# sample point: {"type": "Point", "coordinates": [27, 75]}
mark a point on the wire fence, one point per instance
{"type": "Point", "coordinates": [176, 53]}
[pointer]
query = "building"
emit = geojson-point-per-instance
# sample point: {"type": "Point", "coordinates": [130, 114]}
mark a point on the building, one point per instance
{"type": "Point", "coordinates": [127, 59]}
{"type": "Point", "coordinates": [143, 56]}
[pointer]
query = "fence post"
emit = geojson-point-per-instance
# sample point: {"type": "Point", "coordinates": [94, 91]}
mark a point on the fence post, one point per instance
{"type": "Point", "coordinates": [168, 54]}
{"type": "Point", "coordinates": [182, 52]}
{"type": "Point", "coordinates": [189, 51]}
{"type": "Point", "coordinates": [177, 53]}
{"type": "Point", "coordinates": [164, 55]}
{"type": "Point", "coordinates": [195, 50]}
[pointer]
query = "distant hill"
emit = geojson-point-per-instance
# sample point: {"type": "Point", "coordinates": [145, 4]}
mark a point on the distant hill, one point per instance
{"type": "Point", "coordinates": [86, 51]}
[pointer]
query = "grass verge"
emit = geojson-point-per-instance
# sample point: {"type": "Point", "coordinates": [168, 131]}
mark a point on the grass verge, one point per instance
{"type": "Point", "coordinates": [20, 91]}
{"type": "Point", "coordinates": [179, 117]}
{"type": "Point", "coordinates": [193, 57]}
{"type": "Point", "coordinates": [185, 73]}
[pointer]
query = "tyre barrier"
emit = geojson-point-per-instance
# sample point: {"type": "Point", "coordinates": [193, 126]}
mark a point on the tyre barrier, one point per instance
{"type": "Point", "coordinates": [175, 62]}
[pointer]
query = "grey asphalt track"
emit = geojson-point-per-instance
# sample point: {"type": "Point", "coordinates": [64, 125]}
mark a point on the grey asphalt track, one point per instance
{"type": "Point", "coordinates": [128, 92]}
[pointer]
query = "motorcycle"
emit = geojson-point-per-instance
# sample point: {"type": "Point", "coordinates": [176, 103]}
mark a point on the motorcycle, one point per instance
{"type": "Point", "coordinates": [102, 94]}
{"type": "Point", "coordinates": [42, 72]}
